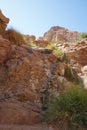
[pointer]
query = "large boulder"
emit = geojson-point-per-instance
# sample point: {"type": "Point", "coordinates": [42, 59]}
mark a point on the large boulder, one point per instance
{"type": "Point", "coordinates": [15, 113]}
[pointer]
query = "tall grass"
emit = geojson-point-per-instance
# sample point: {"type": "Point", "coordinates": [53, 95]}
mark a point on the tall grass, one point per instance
{"type": "Point", "coordinates": [70, 106]}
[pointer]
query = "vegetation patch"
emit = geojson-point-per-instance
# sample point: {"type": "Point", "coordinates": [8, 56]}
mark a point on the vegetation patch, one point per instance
{"type": "Point", "coordinates": [57, 52]}
{"type": "Point", "coordinates": [51, 46]}
{"type": "Point", "coordinates": [70, 107]}
{"type": "Point", "coordinates": [81, 36]}
{"type": "Point", "coordinates": [31, 44]}
{"type": "Point", "coordinates": [72, 76]}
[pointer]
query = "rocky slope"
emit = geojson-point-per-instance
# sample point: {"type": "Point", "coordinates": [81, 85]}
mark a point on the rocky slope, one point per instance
{"type": "Point", "coordinates": [77, 54]}
{"type": "Point", "coordinates": [78, 59]}
{"type": "Point", "coordinates": [60, 34]}
{"type": "Point", "coordinates": [29, 38]}
{"type": "Point", "coordinates": [29, 77]}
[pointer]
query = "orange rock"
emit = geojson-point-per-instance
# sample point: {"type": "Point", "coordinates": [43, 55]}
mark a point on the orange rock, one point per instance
{"type": "Point", "coordinates": [79, 53]}
{"type": "Point", "coordinates": [14, 113]}
{"type": "Point", "coordinates": [60, 34]}
{"type": "Point", "coordinates": [3, 22]}
{"type": "Point", "coordinates": [5, 48]}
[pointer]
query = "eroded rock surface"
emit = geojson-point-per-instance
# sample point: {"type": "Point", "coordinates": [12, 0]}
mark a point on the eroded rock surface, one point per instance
{"type": "Point", "coordinates": [29, 77]}
{"type": "Point", "coordinates": [60, 34]}
{"type": "Point", "coordinates": [5, 48]}
{"type": "Point", "coordinates": [3, 22]}
{"type": "Point", "coordinates": [78, 52]}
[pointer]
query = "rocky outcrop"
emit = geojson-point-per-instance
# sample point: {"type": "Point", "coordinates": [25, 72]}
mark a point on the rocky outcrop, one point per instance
{"type": "Point", "coordinates": [60, 34]}
{"type": "Point", "coordinates": [28, 78]}
{"type": "Point", "coordinates": [78, 52]}
{"type": "Point", "coordinates": [83, 75]}
{"type": "Point", "coordinates": [3, 22]}
{"type": "Point", "coordinates": [16, 113]}
{"type": "Point", "coordinates": [41, 43]}
{"type": "Point", "coordinates": [5, 48]}
{"type": "Point", "coordinates": [29, 38]}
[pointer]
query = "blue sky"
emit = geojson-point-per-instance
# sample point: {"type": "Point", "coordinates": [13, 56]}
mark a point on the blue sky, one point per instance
{"type": "Point", "coordinates": [37, 16]}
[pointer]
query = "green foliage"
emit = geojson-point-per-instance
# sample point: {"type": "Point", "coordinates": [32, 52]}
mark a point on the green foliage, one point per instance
{"type": "Point", "coordinates": [72, 76]}
{"type": "Point", "coordinates": [57, 52]}
{"type": "Point", "coordinates": [70, 105]}
{"type": "Point", "coordinates": [82, 36]}
{"type": "Point", "coordinates": [51, 46]}
{"type": "Point", "coordinates": [32, 44]}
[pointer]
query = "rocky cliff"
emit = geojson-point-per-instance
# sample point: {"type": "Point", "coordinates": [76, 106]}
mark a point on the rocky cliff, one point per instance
{"type": "Point", "coordinates": [77, 54]}
{"type": "Point", "coordinates": [78, 59]}
{"type": "Point", "coordinates": [60, 34]}
{"type": "Point", "coordinates": [29, 77]}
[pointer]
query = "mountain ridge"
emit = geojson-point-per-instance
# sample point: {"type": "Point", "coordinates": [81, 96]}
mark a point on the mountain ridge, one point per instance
{"type": "Point", "coordinates": [60, 34]}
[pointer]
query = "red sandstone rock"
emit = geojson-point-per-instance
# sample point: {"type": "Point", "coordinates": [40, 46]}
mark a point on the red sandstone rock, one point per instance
{"type": "Point", "coordinates": [78, 52]}
{"type": "Point", "coordinates": [27, 78]}
{"type": "Point", "coordinates": [60, 34]}
{"type": "Point", "coordinates": [3, 22]}
{"type": "Point", "coordinates": [5, 48]}
{"type": "Point", "coordinates": [14, 113]}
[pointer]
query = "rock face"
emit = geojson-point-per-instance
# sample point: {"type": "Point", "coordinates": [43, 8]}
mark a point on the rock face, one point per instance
{"type": "Point", "coordinates": [15, 113]}
{"type": "Point", "coordinates": [83, 75]}
{"type": "Point", "coordinates": [5, 48]}
{"type": "Point", "coordinates": [78, 52]}
{"type": "Point", "coordinates": [78, 56]}
{"type": "Point", "coordinates": [27, 79]}
{"type": "Point", "coordinates": [29, 38]}
{"type": "Point", "coordinates": [3, 22]}
{"type": "Point", "coordinates": [60, 34]}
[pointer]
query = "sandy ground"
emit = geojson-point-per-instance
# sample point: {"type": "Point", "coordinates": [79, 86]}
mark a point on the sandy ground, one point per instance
{"type": "Point", "coordinates": [25, 127]}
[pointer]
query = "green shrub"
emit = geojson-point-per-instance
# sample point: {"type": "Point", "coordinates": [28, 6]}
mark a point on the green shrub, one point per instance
{"type": "Point", "coordinates": [51, 46]}
{"type": "Point", "coordinates": [71, 75]}
{"type": "Point", "coordinates": [32, 44]}
{"type": "Point", "coordinates": [57, 52]}
{"type": "Point", "coordinates": [82, 36]}
{"type": "Point", "coordinates": [71, 105]}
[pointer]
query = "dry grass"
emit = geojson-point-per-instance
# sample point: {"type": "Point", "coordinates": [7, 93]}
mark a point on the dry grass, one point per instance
{"type": "Point", "coordinates": [14, 36]}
